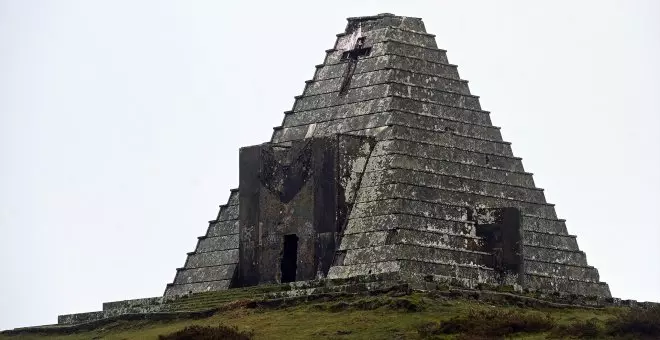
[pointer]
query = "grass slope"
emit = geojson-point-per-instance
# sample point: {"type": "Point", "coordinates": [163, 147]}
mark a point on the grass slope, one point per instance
{"type": "Point", "coordinates": [412, 315]}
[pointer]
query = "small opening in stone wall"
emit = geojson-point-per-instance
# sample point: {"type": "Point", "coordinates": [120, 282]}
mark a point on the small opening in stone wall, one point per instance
{"type": "Point", "coordinates": [289, 263]}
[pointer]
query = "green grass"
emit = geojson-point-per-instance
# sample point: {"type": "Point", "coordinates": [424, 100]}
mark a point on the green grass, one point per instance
{"type": "Point", "coordinates": [414, 316]}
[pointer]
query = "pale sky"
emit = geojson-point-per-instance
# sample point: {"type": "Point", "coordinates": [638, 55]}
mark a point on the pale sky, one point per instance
{"type": "Point", "coordinates": [120, 123]}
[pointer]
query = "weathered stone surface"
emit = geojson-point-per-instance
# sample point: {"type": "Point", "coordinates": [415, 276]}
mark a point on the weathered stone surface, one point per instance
{"type": "Point", "coordinates": [435, 123]}
{"type": "Point", "coordinates": [448, 153]}
{"type": "Point", "coordinates": [414, 253]}
{"type": "Point", "coordinates": [214, 273]}
{"type": "Point", "coordinates": [561, 256]}
{"type": "Point", "coordinates": [394, 47]}
{"type": "Point", "coordinates": [222, 228]}
{"type": "Point", "coordinates": [583, 273]}
{"type": "Point", "coordinates": [332, 127]}
{"type": "Point", "coordinates": [399, 221]}
{"type": "Point", "coordinates": [213, 243]}
{"type": "Point", "coordinates": [111, 309]}
{"type": "Point", "coordinates": [72, 319]}
{"type": "Point", "coordinates": [450, 168]}
{"type": "Point", "coordinates": [452, 197]}
{"type": "Point", "coordinates": [407, 104]}
{"type": "Point", "coordinates": [449, 139]}
{"type": "Point", "coordinates": [197, 260]}
{"type": "Point", "coordinates": [412, 207]}
{"type": "Point", "coordinates": [134, 304]}
{"type": "Point", "coordinates": [553, 226]}
{"type": "Point", "coordinates": [212, 264]}
{"type": "Point", "coordinates": [412, 202]}
{"type": "Point", "coordinates": [294, 205]}
{"type": "Point", "coordinates": [198, 287]}
{"type": "Point", "coordinates": [561, 284]}
{"type": "Point", "coordinates": [297, 118]}
{"type": "Point", "coordinates": [228, 213]}
{"type": "Point", "coordinates": [448, 182]}
{"type": "Point", "coordinates": [438, 96]}
{"type": "Point", "coordinates": [567, 242]}
{"type": "Point", "coordinates": [386, 165]}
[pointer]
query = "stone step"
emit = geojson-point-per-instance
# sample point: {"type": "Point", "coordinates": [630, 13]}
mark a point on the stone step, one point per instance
{"type": "Point", "coordinates": [370, 91]}
{"type": "Point", "coordinates": [411, 252]}
{"type": "Point", "coordinates": [410, 236]}
{"type": "Point", "coordinates": [448, 153]}
{"type": "Point", "coordinates": [470, 102]}
{"type": "Point", "coordinates": [395, 47]}
{"type": "Point", "coordinates": [416, 37]}
{"type": "Point", "coordinates": [452, 183]}
{"type": "Point", "coordinates": [450, 168]}
{"type": "Point", "coordinates": [204, 274]}
{"type": "Point", "coordinates": [409, 207]}
{"type": "Point", "coordinates": [388, 75]}
{"type": "Point", "coordinates": [214, 243]}
{"type": "Point", "coordinates": [222, 228]}
{"type": "Point", "coordinates": [297, 118]}
{"type": "Point", "coordinates": [451, 197]}
{"type": "Point", "coordinates": [358, 121]}
{"type": "Point", "coordinates": [227, 213]}
{"type": "Point", "coordinates": [583, 273]}
{"type": "Point", "coordinates": [174, 290]}
{"type": "Point", "coordinates": [447, 139]}
{"type": "Point", "coordinates": [392, 61]}
{"type": "Point", "coordinates": [406, 104]}
{"type": "Point", "coordinates": [197, 260]}
{"type": "Point", "coordinates": [549, 283]}
{"type": "Point", "coordinates": [400, 221]}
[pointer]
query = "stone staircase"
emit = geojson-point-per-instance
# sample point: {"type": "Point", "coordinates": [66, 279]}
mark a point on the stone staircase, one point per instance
{"type": "Point", "coordinates": [205, 301]}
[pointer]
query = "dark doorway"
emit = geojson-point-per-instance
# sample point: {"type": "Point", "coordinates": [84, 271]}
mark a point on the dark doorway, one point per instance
{"type": "Point", "coordinates": [289, 258]}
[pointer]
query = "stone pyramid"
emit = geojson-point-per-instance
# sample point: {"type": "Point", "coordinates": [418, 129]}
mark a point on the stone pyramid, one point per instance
{"type": "Point", "coordinates": [387, 166]}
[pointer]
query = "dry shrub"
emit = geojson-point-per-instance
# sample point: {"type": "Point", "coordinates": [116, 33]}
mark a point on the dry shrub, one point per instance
{"type": "Point", "coordinates": [399, 304]}
{"type": "Point", "coordinates": [221, 332]}
{"type": "Point", "coordinates": [586, 329]}
{"type": "Point", "coordinates": [492, 323]}
{"type": "Point", "coordinates": [643, 323]}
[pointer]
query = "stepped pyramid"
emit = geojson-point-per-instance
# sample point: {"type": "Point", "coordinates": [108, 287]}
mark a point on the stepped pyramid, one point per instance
{"type": "Point", "coordinates": [386, 166]}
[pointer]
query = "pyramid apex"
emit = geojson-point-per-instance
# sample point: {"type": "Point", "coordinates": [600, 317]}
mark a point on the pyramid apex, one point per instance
{"type": "Point", "coordinates": [383, 20]}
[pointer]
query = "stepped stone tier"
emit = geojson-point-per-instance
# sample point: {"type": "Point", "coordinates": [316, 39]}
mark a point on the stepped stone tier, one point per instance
{"type": "Point", "coordinates": [385, 170]}
{"type": "Point", "coordinates": [386, 164]}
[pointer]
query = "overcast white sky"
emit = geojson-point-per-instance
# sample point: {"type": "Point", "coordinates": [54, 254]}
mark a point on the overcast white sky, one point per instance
{"type": "Point", "coordinates": [120, 123]}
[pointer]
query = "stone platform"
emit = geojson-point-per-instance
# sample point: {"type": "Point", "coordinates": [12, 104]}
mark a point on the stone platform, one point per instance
{"type": "Point", "coordinates": [201, 305]}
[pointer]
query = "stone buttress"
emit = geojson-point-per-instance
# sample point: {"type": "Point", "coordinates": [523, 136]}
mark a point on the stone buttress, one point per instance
{"type": "Point", "coordinates": [428, 191]}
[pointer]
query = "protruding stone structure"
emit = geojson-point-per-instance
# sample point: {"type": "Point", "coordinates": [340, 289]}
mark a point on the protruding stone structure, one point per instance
{"type": "Point", "coordinates": [386, 172]}
{"type": "Point", "coordinates": [387, 165]}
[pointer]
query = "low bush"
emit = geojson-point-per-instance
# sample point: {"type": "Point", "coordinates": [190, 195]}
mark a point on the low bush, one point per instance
{"type": "Point", "coordinates": [221, 332]}
{"type": "Point", "coordinates": [492, 323]}
{"type": "Point", "coordinates": [641, 322]}
{"type": "Point", "coordinates": [586, 329]}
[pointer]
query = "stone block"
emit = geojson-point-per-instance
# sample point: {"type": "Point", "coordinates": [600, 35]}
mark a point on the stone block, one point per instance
{"type": "Point", "coordinates": [214, 243]}
{"type": "Point", "coordinates": [212, 258]}
{"type": "Point", "coordinates": [200, 287]}
{"type": "Point", "coordinates": [223, 228]}
{"type": "Point", "coordinates": [449, 139]}
{"type": "Point", "coordinates": [440, 110]}
{"type": "Point", "coordinates": [448, 168]}
{"type": "Point", "coordinates": [214, 273]}
{"type": "Point", "coordinates": [398, 221]}
{"type": "Point", "coordinates": [402, 206]}
{"type": "Point", "coordinates": [435, 96]}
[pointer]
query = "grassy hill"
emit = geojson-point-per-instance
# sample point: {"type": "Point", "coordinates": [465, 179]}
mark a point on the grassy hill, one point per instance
{"type": "Point", "coordinates": [395, 314]}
